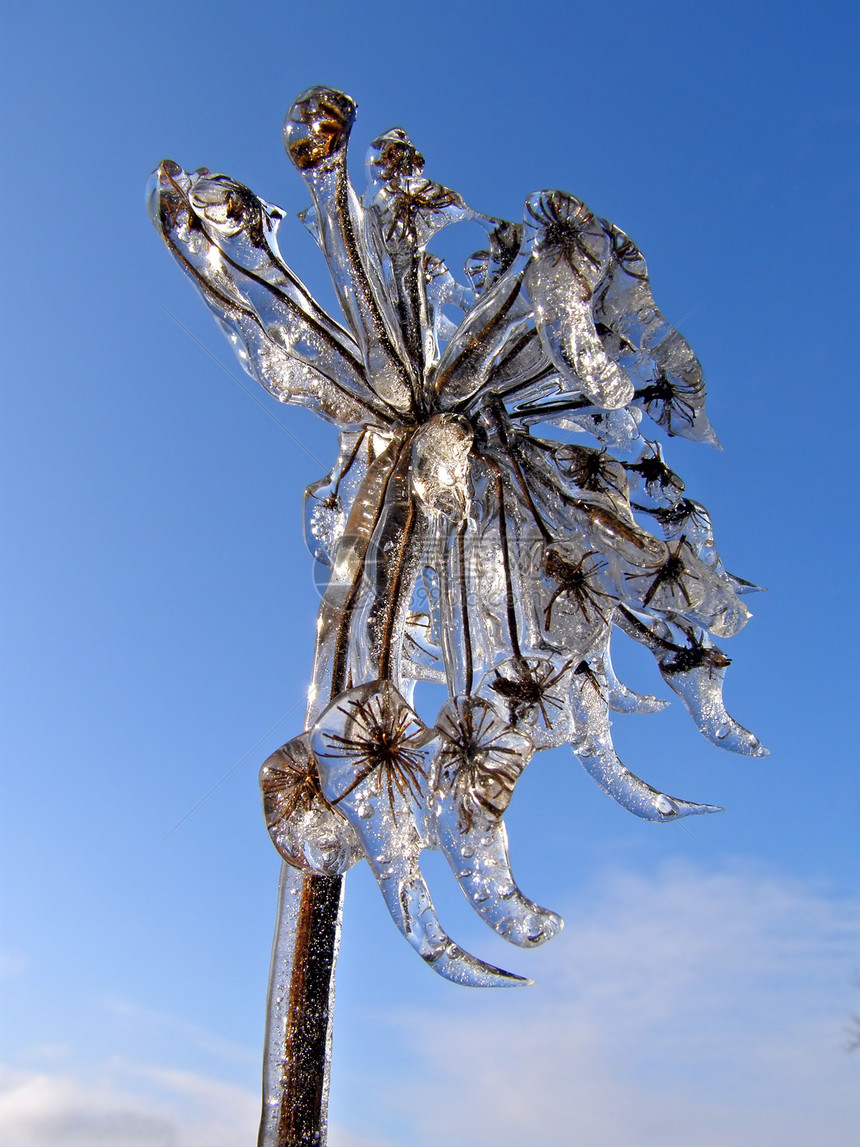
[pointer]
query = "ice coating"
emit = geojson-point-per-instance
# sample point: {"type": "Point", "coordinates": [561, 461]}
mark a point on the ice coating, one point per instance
{"type": "Point", "coordinates": [592, 744]}
{"type": "Point", "coordinates": [307, 831]}
{"type": "Point", "coordinates": [569, 258]}
{"type": "Point", "coordinates": [479, 760]}
{"type": "Point", "coordinates": [671, 386]}
{"type": "Point", "coordinates": [463, 539]}
{"type": "Point", "coordinates": [370, 749]}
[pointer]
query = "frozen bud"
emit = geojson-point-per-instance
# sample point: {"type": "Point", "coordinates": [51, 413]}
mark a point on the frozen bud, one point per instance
{"type": "Point", "coordinates": [317, 127]}
{"type": "Point", "coordinates": [305, 829]}
{"type": "Point", "coordinates": [480, 758]}
{"type": "Point", "coordinates": [225, 204]}
{"type": "Point", "coordinates": [393, 158]}
{"type": "Point", "coordinates": [440, 465]}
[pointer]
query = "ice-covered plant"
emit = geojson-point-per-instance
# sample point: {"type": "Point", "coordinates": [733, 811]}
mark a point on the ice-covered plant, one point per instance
{"type": "Point", "coordinates": [464, 547]}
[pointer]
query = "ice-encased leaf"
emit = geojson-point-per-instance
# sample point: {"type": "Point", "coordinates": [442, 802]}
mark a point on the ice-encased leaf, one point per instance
{"type": "Point", "coordinates": [569, 257]}
{"type": "Point", "coordinates": [391, 568]}
{"type": "Point", "coordinates": [281, 336]}
{"type": "Point", "coordinates": [667, 375]}
{"type": "Point", "coordinates": [489, 331]}
{"type": "Point", "coordinates": [592, 743]}
{"type": "Point", "coordinates": [316, 133]}
{"type": "Point", "coordinates": [344, 591]}
{"type": "Point", "coordinates": [328, 502]}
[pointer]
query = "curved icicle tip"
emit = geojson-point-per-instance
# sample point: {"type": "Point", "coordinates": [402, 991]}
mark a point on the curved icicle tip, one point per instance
{"type": "Point", "coordinates": [461, 968]}
{"type": "Point", "coordinates": [407, 898]}
{"type": "Point", "coordinates": [701, 690]}
{"type": "Point", "coordinates": [486, 880]}
{"type": "Point", "coordinates": [593, 748]}
{"type": "Point", "coordinates": [636, 795]}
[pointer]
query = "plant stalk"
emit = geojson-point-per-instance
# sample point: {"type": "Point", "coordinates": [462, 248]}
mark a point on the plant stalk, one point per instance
{"type": "Point", "coordinates": [300, 1010]}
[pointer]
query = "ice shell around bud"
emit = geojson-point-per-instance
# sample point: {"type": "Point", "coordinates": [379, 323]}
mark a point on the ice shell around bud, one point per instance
{"type": "Point", "coordinates": [317, 127]}
{"type": "Point", "coordinates": [392, 158]}
{"type": "Point", "coordinates": [369, 737]}
{"type": "Point", "coordinates": [304, 828]}
{"type": "Point", "coordinates": [440, 465]}
{"type": "Point", "coordinates": [229, 207]}
{"type": "Point", "coordinates": [532, 692]}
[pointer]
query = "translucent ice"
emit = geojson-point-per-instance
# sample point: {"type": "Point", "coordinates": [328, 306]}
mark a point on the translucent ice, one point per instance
{"type": "Point", "coordinates": [592, 744]}
{"type": "Point", "coordinates": [460, 541]}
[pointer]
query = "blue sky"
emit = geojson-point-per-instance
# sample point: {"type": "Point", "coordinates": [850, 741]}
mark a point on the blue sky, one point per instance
{"type": "Point", "coordinates": [159, 604]}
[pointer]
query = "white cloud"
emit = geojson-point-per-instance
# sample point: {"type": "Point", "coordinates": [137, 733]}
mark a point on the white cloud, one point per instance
{"type": "Point", "coordinates": [40, 1110]}
{"type": "Point", "coordinates": [687, 1010]}
{"type": "Point", "coordinates": [133, 1106]}
{"type": "Point", "coordinates": [177, 1109]}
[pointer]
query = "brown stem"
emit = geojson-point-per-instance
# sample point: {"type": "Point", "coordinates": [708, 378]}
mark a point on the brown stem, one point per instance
{"type": "Point", "coordinates": [302, 1117]}
{"type": "Point", "coordinates": [464, 604]}
{"type": "Point", "coordinates": [506, 561]}
{"type": "Point", "coordinates": [301, 999]}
